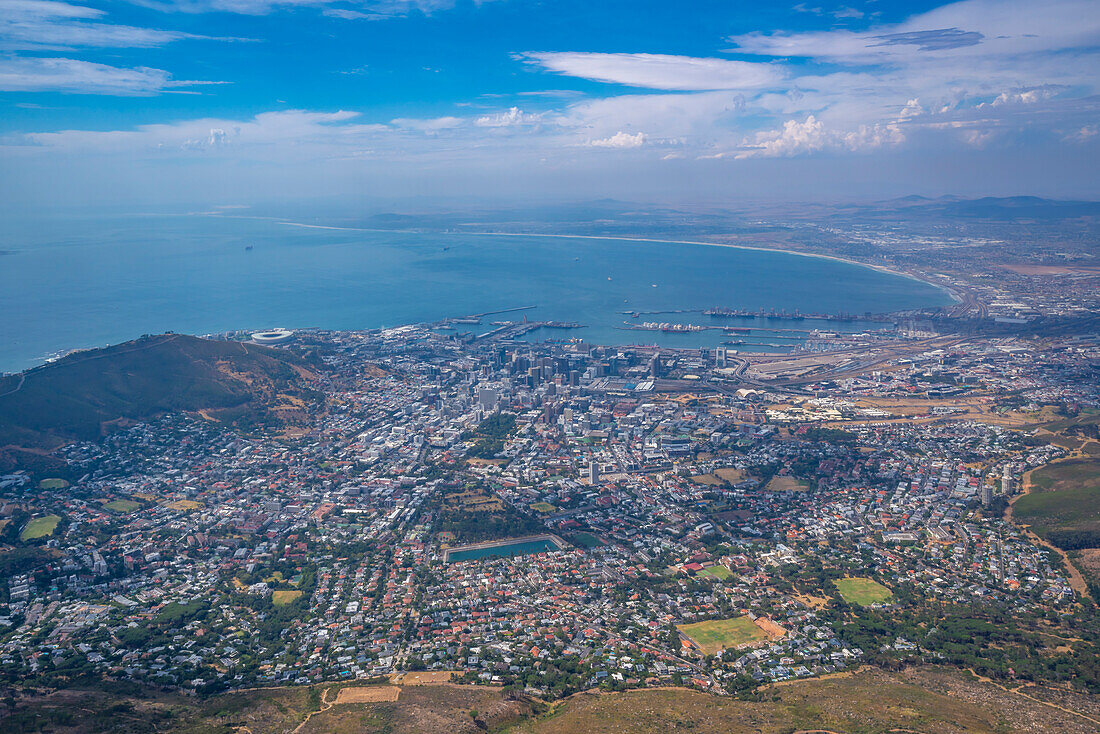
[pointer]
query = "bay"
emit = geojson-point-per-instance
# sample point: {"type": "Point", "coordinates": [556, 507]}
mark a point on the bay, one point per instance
{"type": "Point", "coordinates": [78, 283]}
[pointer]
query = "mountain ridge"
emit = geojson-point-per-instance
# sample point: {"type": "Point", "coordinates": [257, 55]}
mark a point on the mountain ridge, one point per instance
{"type": "Point", "coordinates": [86, 394]}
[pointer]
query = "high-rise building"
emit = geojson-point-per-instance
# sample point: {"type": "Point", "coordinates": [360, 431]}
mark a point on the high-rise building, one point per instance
{"type": "Point", "coordinates": [488, 398]}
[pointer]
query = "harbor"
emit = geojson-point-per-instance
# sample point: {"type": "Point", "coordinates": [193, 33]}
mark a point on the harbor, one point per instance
{"type": "Point", "coordinates": [757, 335]}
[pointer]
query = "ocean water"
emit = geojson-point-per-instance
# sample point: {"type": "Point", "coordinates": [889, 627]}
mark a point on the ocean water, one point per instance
{"type": "Point", "coordinates": [69, 284]}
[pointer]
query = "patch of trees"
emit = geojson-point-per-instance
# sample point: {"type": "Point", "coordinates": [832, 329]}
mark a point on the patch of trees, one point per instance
{"type": "Point", "coordinates": [1074, 539]}
{"type": "Point", "coordinates": [830, 435]}
{"type": "Point", "coordinates": [177, 615]}
{"type": "Point", "coordinates": [471, 527]}
{"type": "Point", "coordinates": [991, 642]}
{"type": "Point", "coordinates": [490, 435]}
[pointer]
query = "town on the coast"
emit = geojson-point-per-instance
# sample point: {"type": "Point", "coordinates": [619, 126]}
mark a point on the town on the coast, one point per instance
{"type": "Point", "coordinates": [553, 516]}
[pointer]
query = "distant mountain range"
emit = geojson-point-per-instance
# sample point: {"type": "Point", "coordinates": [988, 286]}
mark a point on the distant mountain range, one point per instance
{"type": "Point", "coordinates": [993, 208]}
{"type": "Point", "coordinates": [613, 215]}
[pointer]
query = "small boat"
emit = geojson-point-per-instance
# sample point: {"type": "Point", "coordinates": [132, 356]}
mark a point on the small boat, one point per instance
{"type": "Point", "coordinates": [248, 248]}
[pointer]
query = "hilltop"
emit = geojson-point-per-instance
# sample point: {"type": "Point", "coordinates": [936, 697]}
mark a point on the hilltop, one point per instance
{"type": "Point", "coordinates": [920, 698]}
{"type": "Point", "coordinates": [84, 395]}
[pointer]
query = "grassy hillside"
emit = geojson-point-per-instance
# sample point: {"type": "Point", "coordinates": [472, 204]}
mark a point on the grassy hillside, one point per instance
{"type": "Point", "coordinates": [929, 700]}
{"type": "Point", "coordinates": [1064, 505]}
{"type": "Point", "coordinates": [80, 396]}
{"type": "Point", "coordinates": [1063, 508]}
{"type": "Point", "coordinates": [869, 702]}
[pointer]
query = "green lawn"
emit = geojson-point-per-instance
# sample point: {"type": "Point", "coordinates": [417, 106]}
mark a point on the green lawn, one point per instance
{"type": "Point", "coordinates": [543, 507]}
{"type": "Point", "coordinates": [1071, 474]}
{"type": "Point", "coordinates": [40, 527]}
{"type": "Point", "coordinates": [123, 506]}
{"type": "Point", "coordinates": [719, 572]}
{"type": "Point", "coordinates": [1077, 508]}
{"type": "Point", "coordinates": [862, 591]}
{"type": "Point", "coordinates": [587, 540]}
{"type": "Point", "coordinates": [282, 597]}
{"type": "Point", "coordinates": [1064, 504]}
{"type": "Point", "coordinates": [719, 634]}
{"type": "Point", "coordinates": [53, 484]}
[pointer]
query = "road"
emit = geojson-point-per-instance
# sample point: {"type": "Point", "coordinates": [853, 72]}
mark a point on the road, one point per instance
{"type": "Point", "coordinates": [22, 379]}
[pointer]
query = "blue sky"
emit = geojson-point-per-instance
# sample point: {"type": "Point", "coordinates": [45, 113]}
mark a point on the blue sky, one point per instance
{"type": "Point", "coordinates": [161, 102]}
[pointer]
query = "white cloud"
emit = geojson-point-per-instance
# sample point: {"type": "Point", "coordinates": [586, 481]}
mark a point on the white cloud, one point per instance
{"type": "Point", "coordinates": [658, 71]}
{"type": "Point", "coordinates": [905, 88]}
{"type": "Point", "coordinates": [216, 139]}
{"type": "Point", "coordinates": [72, 75]}
{"type": "Point", "coordinates": [285, 129]}
{"type": "Point", "coordinates": [1029, 96]}
{"type": "Point", "coordinates": [513, 117]}
{"type": "Point", "coordinates": [869, 137]}
{"type": "Point", "coordinates": [1083, 134]}
{"type": "Point", "coordinates": [812, 136]}
{"type": "Point", "coordinates": [978, 138]}
{"type": "Point", "coordinates": [793, 138]}
{"type": "Point", "coordinates": [912, 108]}
{"type": "Point", "coordinates": [51, 25]}
{"type": "Point", "coordinates": [963, 29]}
{"type": "Point", "coordinates": [432, 125]}
{"type": "Point", "coordinates": [347, 14]}
{"type": "Point", "coordinates": [620, 140]}
{"type": "Point", "coordinates": [346, 9]}
{"type": "Point", "coordinates": [27, 25]}
{"type": "Point", "coordinates": [1002, 65]}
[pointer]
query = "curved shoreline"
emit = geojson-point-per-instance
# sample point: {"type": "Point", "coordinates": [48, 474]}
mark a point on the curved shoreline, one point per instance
{"type": "Point", "coordinates": [837, 258]}
{"type": "Point", "coordinates": [880, 268]}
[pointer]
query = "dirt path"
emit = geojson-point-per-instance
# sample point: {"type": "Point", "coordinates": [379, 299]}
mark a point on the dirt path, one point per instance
{"type": "Point", "coordinates": [325, 706]}
{"type": "Point", "coordinates": [1018, 690]}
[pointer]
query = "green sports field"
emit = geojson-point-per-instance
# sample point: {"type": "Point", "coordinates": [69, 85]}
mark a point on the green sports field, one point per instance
{"type": "Point", "coordinates": [123, 506]}
{"type": "Point", "coordinates": [53, 484]}
{"type": "Point", "coordinates": [719, 634]}
{"type": "Point", "coordinates": [719, 572]}
{"type": "Point", "coordinates": [40, 527]}
{"type": "Point", "coordinates": [587, 540]}
{"type": "Point", "coordinates": [861, 591]}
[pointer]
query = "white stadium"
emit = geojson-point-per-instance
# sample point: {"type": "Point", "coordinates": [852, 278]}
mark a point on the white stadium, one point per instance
{"type": "Point", "coordinates": [272, 337]}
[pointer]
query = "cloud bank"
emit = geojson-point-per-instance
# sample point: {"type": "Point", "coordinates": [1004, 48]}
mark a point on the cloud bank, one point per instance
{"type": "Point", "coordinates": [976, 77]}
